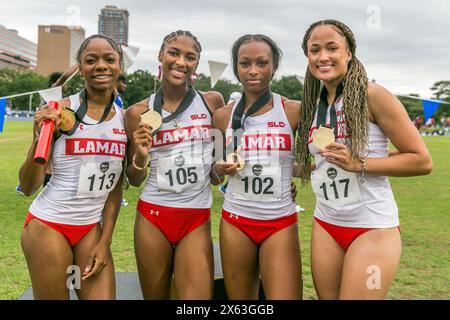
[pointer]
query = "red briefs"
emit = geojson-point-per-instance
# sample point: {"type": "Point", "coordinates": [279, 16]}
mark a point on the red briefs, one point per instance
{"type": "Point", "coordinates": [258, 230]}
{"type": "Point", "coordinates": [73, 234]}
{"type": "Point", "coordinates": [174, 223]}
{"type": "Point", "coordinates": [344, 236]}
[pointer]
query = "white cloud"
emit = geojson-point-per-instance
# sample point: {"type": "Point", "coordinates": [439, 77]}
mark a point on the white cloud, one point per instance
{"type": "Point", "coordinates": [407, 54]}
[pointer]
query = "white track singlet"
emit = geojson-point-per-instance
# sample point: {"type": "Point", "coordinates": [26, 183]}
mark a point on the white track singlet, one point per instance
{"type": "Point", "coordinates": [181, 159]}
{"type": "Point", "coordinates": [341, 198]}
{"type": "Point", "coordinates": [85, 168]}
{"type": "Point", "coordinates": [262, 190]}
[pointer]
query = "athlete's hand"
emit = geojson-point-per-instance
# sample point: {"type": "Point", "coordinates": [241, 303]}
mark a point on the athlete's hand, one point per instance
{"type": "Point", "coordinates": [223, 168]}
{"type": "Point", "coordinates": [339, 155]}
{"type": "Point", "coordinates": [98, 259]}
{"type": "Point", "coordinates": [143, 140]}
{"type": "Point", "coordinates": [45, 113]}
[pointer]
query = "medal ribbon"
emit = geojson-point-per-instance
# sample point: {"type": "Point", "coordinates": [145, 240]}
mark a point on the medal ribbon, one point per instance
{"type": "Point", "coordinates": [185, 103]}
{"type": "Point", "coordinates": [323, 108]}
{"type": "Point", "coordinates": [82, 110]}
{"type": "Point", "coordinates": [238, 113]}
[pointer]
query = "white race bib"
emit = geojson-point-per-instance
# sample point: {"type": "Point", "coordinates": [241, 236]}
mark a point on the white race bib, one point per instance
{"type": "Point", "coordinates": [257, 183]}
{"type": "Point", "coordinates": [334, 186]}
{"type": "Point", "coordinates": [98, 178]}
{"type": "Point", "coordinates": [180, 173]}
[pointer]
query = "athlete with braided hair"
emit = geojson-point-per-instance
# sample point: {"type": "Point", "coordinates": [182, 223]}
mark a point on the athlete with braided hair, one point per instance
{"type": "Point", "coordinates": [172, 228]}
{"type": "Point", "coordinates": [356, 228]}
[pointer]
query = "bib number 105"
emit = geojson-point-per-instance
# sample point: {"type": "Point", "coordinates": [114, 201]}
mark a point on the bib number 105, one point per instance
{"type": "Point", "coordinates": [182, 176]}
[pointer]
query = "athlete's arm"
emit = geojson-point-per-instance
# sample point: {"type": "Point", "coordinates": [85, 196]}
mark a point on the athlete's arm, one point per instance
{"type": "Point", "coordinates": [388, 113]}
{"type": "Point", "coordinates": [139, 143]}
{"type": "Point", "coordinates": [292, 108]}
{"type": "Point", "coordinates": [98, 257]}
{"type": "Point", "coordinates": [31, 175]}
{"type": "Point", "coordinates": [221, 118]}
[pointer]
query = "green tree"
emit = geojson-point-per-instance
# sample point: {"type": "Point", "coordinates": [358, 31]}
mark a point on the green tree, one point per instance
{"type": "Point", "coordinates": [225, 87]}
{"type": "Point", "coordinates": [14, 81]}
{"type": "Point", "coordinates": [289, 87]}
{"type": "Point", "coordinates": [140, 85]}
{"type": "Point", "coordinates": [441, 90]}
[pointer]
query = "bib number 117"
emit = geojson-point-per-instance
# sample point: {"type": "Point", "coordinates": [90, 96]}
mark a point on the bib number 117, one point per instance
{"type": "Point", "coordinates": [336, 189]}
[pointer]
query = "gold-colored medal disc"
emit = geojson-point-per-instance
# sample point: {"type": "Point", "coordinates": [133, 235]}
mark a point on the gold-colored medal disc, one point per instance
{"type": "Point", "coordinates": [67, 119]}
{"type": "Point", "coordinates": [323, 137]}
{"type": "Point", "coordinates": [152, 118]}
{"type": "Point", "coordinates": [236, 158]}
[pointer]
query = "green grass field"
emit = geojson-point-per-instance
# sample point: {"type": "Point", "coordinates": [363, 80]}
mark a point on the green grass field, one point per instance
{"type": "Point", "coordinates": [424, 204]}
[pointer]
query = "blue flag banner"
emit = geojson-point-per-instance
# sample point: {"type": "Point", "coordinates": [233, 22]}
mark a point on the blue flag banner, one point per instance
{"type": "Point", "coordinates": [429, 108]}
{"type": "Point", "coordinates": [2, 113]}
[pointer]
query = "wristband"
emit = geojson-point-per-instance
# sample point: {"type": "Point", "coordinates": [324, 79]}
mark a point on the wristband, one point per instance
{"type": "Point", "coordinates": [213, 170]}
{"type": "Point", "coordinates": [363, 169]}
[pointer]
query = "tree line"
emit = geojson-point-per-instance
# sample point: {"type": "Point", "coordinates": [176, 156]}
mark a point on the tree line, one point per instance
{"type": "Point", "coordinates": [141, 83]}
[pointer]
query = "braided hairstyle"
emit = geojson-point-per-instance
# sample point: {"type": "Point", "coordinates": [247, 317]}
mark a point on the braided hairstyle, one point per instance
{"type": "Point", "coordinates": [173, 35]}
{"type": "Point", "coordinates": [355, 109]}
{"type": "Point", "coordinates": [113, 44]}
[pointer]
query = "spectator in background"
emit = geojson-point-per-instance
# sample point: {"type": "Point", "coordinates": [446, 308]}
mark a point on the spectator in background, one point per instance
{"type": "Point", "coordinates": [121, 87]}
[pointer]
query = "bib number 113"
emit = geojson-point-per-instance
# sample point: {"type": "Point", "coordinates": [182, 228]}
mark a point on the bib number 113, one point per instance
{"type": "Point", "coordinates": [101, 179]}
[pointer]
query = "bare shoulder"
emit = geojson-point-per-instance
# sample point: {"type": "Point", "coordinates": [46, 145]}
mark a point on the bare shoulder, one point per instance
{"type": "Point", "coordinates": [292, 110]}
{"type": "Point", "coordinates": [381, 100]}
{"type": "Point", "coordinates": [221, 116]}
{"type": "Point", "coordinates": [136, 109]}
{"type": "Point", "coordinates": [214, 99]}
{"type": "Point", "coordinates": [291, 105]}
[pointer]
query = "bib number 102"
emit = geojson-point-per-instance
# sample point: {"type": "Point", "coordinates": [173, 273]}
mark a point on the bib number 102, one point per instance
{"type": "Point", "coordinates": [182, 176]}
{"type": "Point", "coordinates": [109, 181]}
{"type": "Point", "coordinates": [258, 185]}
{"type": "Point", "coordinates": [336, 189]}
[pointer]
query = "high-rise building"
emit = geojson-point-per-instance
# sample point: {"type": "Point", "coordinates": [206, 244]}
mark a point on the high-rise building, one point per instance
{"type": "Point", "coordinates": [16, 52]}
{"type": "Point", "coordinates": [113, 22]}
{"type": "Point", "coordinates": [58, 47]}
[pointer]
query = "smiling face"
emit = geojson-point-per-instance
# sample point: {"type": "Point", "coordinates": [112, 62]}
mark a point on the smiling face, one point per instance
{"type": "Point", "coordinates": [328, 54]}
{"type": "Point", "coordinates": [179, 59]}
{"type": "Point", "coordinates": [99, 65]}
{"type": "Point", "coordinates": [255, 66]}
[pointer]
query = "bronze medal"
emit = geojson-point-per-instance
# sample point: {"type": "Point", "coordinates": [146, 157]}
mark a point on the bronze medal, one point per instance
{"type": "Point", "coordinates": [323, 137]}
{"type": "Point", "coordinates": [236, 158]}
{"type": "Point", "coordinates": [67, 119]}
{"type": "Point", "coordinates": [152, 118]}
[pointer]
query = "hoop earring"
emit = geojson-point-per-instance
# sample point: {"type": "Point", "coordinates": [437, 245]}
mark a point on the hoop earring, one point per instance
{"type": "Point", "coordinates": [193, 77]}
{"type": "Point", "coordinates": [159, 76]}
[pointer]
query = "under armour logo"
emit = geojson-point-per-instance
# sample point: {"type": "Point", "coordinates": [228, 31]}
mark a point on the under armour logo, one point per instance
{"type": "Point", "coordinates": [156, 213]}
{"type": "Point", "coordinates": [81, 127]}
{"type": "Point", "coordinates": [235, 216]}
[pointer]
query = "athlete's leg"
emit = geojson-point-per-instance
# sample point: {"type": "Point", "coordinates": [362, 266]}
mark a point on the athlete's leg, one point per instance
{"type": "Point", "coordinates": [280, 265]}
{"type": "Point", "coordinates": [48, 255]}
{"type": "Point", "coordinates": [154, 255]}
{"type": "Point", "coordinates": [327, 258]}
{"type": "Point", "coordinates": [370, 264]}
{"type": "Point", "coordinates": [103, 285]}
{"type": "Point", "coordinates": [194, 266]}
{"type": "Point", "coordinates": [239, 263]}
